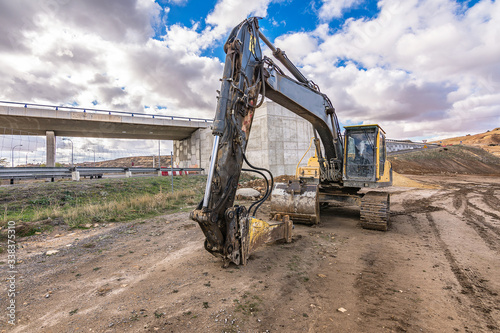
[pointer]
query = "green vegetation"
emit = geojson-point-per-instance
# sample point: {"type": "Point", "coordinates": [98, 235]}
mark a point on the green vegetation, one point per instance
{"type": "Point", "coordinates": [105, 200]}
{"type": "Point", "coordinates": [250, 304]}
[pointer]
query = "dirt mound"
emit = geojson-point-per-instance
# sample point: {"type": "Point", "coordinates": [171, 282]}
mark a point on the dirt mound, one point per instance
{"type": "Point", "coordinates": [490, 137]}
{"type": "Point", "coordinates": [402, 181]}
{"type": "Point", "coordinates": [489, 141]}
{"type": "Point", "coordinates": [447, 160]}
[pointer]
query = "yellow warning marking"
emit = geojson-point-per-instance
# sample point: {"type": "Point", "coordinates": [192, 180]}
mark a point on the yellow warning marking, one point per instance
{"type": "Point", "coordinates": [251, 45]}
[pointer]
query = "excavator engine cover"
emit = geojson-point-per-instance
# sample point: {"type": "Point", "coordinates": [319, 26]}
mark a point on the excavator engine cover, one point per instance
{"type": "Point", "coordinates": [297, 199]}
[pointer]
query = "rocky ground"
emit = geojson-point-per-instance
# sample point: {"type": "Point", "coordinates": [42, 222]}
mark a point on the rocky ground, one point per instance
{"type": "Point", "coordinates": [435, 270]}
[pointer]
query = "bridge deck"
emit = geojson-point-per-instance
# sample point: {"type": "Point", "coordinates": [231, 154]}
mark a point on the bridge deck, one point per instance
{"type": "Point", "coordinates": [97, 123]}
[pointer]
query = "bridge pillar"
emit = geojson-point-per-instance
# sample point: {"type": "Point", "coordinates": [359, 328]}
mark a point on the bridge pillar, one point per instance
{"type": "Point", "coordinates": [195, 150]}
{"type": "Point", "coordinates": [75, 175]}
{"type": "Point", "coordinates": [51, 149]}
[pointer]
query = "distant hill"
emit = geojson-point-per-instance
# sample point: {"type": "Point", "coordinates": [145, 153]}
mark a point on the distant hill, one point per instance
{"type": "Point", "coordinates": [136, 161]}
{"type": "Point", "coordinates": [455, 159]}
{"type": "Point", "coordinates": [489, 141]}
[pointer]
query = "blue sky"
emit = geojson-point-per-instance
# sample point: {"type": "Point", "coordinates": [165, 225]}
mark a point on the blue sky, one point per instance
{"type": "Point", "coordinates": [285, 16]}
{"type": "Point", "coordinates": [282, 17]}
{"type": "Point", "coordinates": [419, 68]}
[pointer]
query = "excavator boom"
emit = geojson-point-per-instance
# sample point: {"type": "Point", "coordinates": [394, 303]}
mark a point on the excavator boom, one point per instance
{"type": "Point", "coordinates": [226, 227]}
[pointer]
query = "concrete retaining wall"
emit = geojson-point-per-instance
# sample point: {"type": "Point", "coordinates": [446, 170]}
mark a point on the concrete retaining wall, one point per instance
{"type": "Point", "coordinates": [278, 140]}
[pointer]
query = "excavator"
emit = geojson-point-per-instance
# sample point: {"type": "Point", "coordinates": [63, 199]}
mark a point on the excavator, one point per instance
{"type": "Point", "coordinates": [345, 170]}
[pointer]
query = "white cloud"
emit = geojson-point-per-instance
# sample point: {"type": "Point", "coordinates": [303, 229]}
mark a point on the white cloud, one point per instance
{"type": "Point", "coordinates": [177, 2]}
{"type": "Point", "coordinates": [297, 45]}
{"type": "Point", "coordinates": [228, 13]}
{"type": "Point", "coordinates": [417, 74]}
{"type": "Point", "coordinates": [225, 16]}
{"type": "Point", "coordinates": [335, 8]}
{"type": "Point", "coordinates": [70, 63]}
{"type": "Point", "coordinates": [419, 68]}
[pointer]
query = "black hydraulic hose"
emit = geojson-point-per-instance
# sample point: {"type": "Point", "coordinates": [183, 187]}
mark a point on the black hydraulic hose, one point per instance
{"type": "Point", "coordinates": [263, 81]}
{"type": "Point", "coordinates": [269, 189]}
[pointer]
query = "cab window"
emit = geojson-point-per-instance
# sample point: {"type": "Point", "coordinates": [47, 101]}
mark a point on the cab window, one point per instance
{"type": "Point", "coordinates": [360, 159]}
{"type": "Point", "coordinates": [381, 154]}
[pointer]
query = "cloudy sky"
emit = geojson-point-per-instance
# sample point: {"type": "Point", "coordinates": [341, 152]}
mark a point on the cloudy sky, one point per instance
{"type": "Point", "coordinates": [422, 69]}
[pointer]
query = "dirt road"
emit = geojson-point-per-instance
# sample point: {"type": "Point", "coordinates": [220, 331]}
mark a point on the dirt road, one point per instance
{"type": "Point", "coordinates": [436, 270]}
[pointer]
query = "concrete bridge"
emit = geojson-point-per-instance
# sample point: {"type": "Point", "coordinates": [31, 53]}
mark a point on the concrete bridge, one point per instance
{"type": "Point", "coordinates": [278, 139]}
{"type": "Point", "coordinates": [52, 121]}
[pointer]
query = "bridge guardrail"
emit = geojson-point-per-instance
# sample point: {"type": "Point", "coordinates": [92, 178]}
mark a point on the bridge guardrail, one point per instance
{"type": "Point", "coordinates": [405, 151]}
{"type": "Point", "coordinates": [58, 172]}
{"type": "Point", "coordinates": [110, 112]}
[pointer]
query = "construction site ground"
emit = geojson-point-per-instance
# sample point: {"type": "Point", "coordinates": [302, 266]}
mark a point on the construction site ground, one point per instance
{"type": "Point", "coordinates": [435, 270]}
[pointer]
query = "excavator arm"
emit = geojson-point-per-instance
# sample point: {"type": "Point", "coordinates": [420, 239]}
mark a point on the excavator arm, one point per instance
{"type": "Point", "coordinates": [231, 232]}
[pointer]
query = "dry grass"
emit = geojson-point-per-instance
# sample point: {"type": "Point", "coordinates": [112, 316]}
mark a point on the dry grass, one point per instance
{"type": "Point", "coordinates": [129, 207]}
{"type": "Point", "coordinates": [77, 204]}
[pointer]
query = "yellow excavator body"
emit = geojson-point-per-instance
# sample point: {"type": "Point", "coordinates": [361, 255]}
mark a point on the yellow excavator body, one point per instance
{"type": "Point", "coordinates": [365, 165]}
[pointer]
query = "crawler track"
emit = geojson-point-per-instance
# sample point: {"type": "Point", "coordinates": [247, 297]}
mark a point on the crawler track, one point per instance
{"type": "Point", "coordinates": [375, 211]}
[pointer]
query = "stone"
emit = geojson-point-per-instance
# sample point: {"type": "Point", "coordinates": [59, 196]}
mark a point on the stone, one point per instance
{"type": "Point", "coordinates": [51, 252]}
{"type": "Point", "coordinates": [247, 193]}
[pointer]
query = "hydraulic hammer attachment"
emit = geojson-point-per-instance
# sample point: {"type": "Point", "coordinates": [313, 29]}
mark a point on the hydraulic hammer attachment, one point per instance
{"type": "Point", "coordinates": [244, 234]}
{"type": "Point", "coordinates": [256, 233]}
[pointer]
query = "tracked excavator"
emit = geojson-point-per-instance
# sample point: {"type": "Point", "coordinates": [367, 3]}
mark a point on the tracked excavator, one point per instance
{"type": "Point", "coordinates": [345, 171]}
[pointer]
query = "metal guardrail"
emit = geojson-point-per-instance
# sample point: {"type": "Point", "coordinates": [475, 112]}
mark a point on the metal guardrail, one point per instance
{"type": "Point", "coordinates": [405, 151]}
{"type": "Point", "coordinates": [110, 112]}
{"type": "Point", "coordinates": [47, 172]}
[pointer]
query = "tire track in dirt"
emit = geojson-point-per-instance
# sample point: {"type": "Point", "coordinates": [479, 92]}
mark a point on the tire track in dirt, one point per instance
{"type": "Point", "coordinates": [473, 285]}
{"type": "Point", "coordinates": [488, 232]}
{"type": "Point", "coordinates": [492, 227]}
{"type": "Point", "coordinates": [491, 200]}
{"type": "Point", "coordinates": [424, 205]}
{"type": "Point", "coordinates": [379, 296]}
{"type": "Point", "coordinates": [490, 214]}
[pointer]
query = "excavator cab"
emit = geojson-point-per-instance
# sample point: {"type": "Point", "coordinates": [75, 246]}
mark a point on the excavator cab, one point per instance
{"type": "Point", "coordinates": [365, 160]}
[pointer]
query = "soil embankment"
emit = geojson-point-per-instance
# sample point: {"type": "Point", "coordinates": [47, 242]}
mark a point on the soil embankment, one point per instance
{"type": "Point", "coordinates": [447, 161]}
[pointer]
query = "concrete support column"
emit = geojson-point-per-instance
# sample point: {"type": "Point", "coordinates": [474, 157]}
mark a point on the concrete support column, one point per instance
{"type": "Point", "coordinates": [75, 175]}
{"type": "Point", "coordinates": [51, 149]}
{"type": "Point", "coordinates": [195, 150]}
